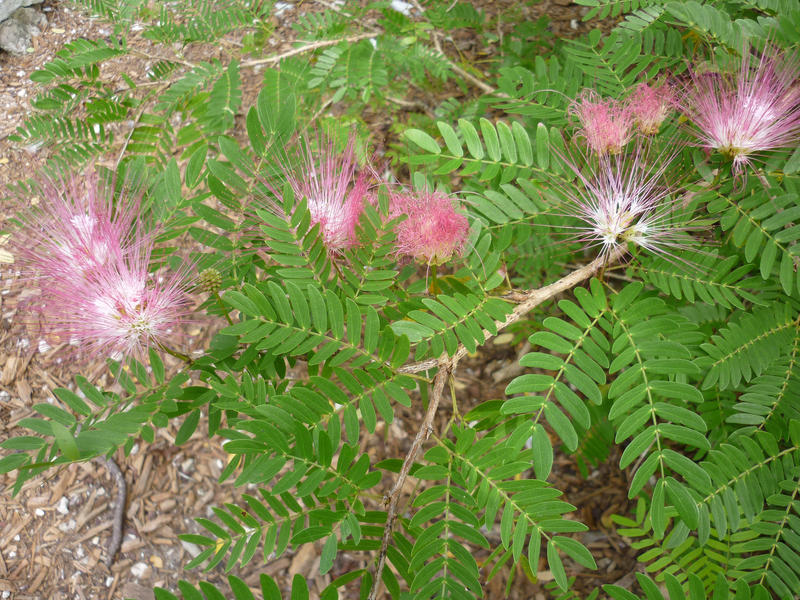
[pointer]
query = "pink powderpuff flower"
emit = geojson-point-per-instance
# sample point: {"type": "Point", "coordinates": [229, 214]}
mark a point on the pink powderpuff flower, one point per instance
{"type": "Point", "coordinates": [621, 199]}
{"type": "Point", "coordinates": [74, 230]}
{"type": "Point", "coordinates": [123, 309]}
{"type": "Point", "coordinates": [649, 107]}
{"type": "Point", "coordinates": [434, 229]}
{"type": "Point", "coordinates": [334, 191]}
{"type": "Point", "coordinates": [90, 262]}
{"type": "Point", "coordinates": [605, 124]}
{"type": "Point", "coordinates": [756, 110]}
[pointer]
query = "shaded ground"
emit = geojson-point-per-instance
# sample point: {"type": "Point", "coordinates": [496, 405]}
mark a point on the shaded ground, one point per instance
{"type": "Point", "coordinates": [54, 533]}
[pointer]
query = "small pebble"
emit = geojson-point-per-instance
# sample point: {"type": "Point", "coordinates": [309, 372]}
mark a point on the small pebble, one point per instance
{"type": "Point", "coordinates": [403, 8]}
{"type": "Point", "coordinates": [281, 7]}
{"type": "Point", "coordinates": [573, 23]}
{"type": "Point", "coordinates": [109, 581]}
{"type": "Point", "coordinates": [192, 549]}
{"type": "Point", "coordinates": [68, 526]}
{"type": "Point", "coordinates": [39, 512]}
{"type": "Point", "coordinates": [63, 505]}
{"type": "Point", "coordinates": [139, 569]}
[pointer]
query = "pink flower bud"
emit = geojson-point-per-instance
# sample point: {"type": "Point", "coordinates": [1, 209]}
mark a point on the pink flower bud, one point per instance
{"type": "Point", "coordinates": [605, 124]}
{"type": "Point", "coordinates": [433, 231]}
{"type": "Point", "coordinates": [649, 107]}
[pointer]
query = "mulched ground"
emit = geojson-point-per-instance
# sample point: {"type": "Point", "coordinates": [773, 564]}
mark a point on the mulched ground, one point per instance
{"type": "Point", "coordinates": [54, 533]}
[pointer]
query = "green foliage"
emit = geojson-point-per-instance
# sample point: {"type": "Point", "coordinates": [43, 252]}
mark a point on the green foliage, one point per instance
{"type": "Point", "coordinates": [269, 591]}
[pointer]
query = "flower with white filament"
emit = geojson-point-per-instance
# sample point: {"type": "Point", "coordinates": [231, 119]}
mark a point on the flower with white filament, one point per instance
{"type": "Point", "coordinates": [753, 111]}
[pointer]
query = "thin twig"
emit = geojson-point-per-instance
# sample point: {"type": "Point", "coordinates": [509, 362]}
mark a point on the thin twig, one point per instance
{"type": "Point", "coordinates": [142, 107]}
{"type": "Point", "coordinates": [528, 301]}
{"type": "Point", "coordinates": [119, 510]}
{"type": "Point", "coordinates": [308, 47]}
{"type": "Point", "coordinates": [485, 87]}
{"type": "Point", "coordinates": [179, 355]}
{"type": "Point", "coordinates": [174, 59]}
{"type": "Point", "coordinates": [446, 366]}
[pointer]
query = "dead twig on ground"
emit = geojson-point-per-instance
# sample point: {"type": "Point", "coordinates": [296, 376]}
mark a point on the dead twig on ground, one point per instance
{"type": "Point", "coordinates": [275, 58]}
{"type": "Point", "coordinates": [119, 510]}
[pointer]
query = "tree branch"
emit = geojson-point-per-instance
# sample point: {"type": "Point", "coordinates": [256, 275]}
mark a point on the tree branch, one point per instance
{"type": "Point", "coordinates": [528, 301]}
{"type": "Point", "coordinates": [115, 541]}
{"type": "Point", "coordinates": [446, 367]}
{"type": "Point", "coordinates": [309, 47]}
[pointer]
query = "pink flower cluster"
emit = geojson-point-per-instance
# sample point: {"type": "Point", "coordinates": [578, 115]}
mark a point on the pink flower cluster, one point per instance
{"type": "Point", "coordinates": [607, 125]}
{"type": "Point", "coordinates": [334, 190]}
{"type": "Point", "coordinates": [754, 111]}
{"type": "Point", "coordinates": [433, 231]}
{"type": "Point", "coordinates": [621, 198]}
{"type": "Point", "coordinates": [90, 261]}
{"type": "Point", "coordinates": [337, 192]}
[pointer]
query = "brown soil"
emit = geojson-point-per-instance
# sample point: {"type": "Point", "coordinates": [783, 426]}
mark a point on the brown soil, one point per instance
{"type": "Point", "coordinates": [54, 533]}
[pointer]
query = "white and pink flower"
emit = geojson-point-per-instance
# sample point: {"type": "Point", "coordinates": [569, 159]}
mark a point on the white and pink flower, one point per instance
{"type": "Point", "coordinates": [621, 199]}
{"type": "Point", "coordinates": [334, 189]}
{"type": "Point", "coordinates": [754, 111]}
{"type": "Point", "coordinates": [91, 262]}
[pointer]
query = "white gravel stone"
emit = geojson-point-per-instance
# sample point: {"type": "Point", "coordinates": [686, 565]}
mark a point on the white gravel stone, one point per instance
{"type": "Point", "coordinates": [139, 569]}
{"type": "Point", "coordinates": [68, 526]}
{"type": "Point", "coordinates": [63, 506]}
{"type": "Point", "coordinates": [192, 549]}
{"type": "Point", "coordinates": [402, 7]}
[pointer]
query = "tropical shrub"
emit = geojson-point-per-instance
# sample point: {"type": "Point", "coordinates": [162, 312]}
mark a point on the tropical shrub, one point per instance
{"type": "Point", "coordinates": [625, 201]}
